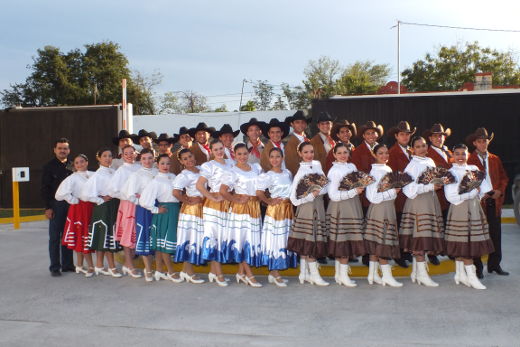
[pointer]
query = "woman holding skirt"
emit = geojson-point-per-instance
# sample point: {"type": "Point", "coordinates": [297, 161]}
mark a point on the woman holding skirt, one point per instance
{"type": "Point", "coordinates": [308, 236]}
{"type": "Point", "coordinates": [467, 230]}
{"type": "Point", "coordinates": [244, 223]}
{"type": "Point", "coordinates": [139, 239]}
{"type": "Point", "coordinates": [189, 229]}
{"type": "Point", "coordinates": [344, 217]}
{"type": "Point", "coordinates": [215, 211]}
{"type": "Point", "coordinates": [75, 235]}
{"type": "Point", "coordinates": [164, 221]}
{"type": "Point", "coordinates": [278, 218]}
{"type": "Point", "coordinates": [422, 226]}
{"type": "Point", "coordinates": [102, 224]}
{"type": "Point", "coordinates": [381, 234]}
{"type": "Point", "coordinates": [125, 221]}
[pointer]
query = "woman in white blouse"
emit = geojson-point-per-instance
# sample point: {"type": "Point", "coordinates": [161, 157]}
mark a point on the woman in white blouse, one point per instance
{"type": "Point", "coordinates": [125, 221]}
{"type": "Point", "coordinates": [422, 226]}
{"type": "Point", "coordinates": [381, 233]}
{"type": "Point", "coordinates": [102, 225]}
{"type": "Point", "coordinates": [189, 229]}
{"type": "Point", "coordinates": [344, 217]}
{"type": "Point", "coordinates": [140, 239]}
{"type": "Point", "coordinates": [215, 211]}
{"type": "Point", "coordinates": [244, 223]}
{"type": "Point", "coordinates": [308, 235]}
{"type": "Point", "coordinates": [75, 234]}
{"type": "Point", "coordinates": [467, 230]}
{"type": "Point", "coordinates": [278, 218]}
{"type": "Point", "coordinates": [164, 221]}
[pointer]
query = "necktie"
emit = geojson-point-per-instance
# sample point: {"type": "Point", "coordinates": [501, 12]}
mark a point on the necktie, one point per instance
{"type": "Point", "coordinates": [278, 144]}
{"type": "Point", "coordinates": [206, 147]}
{"type": "Point", "coordinates": [483, 158]}
{"type": "Point", "coordinates": [332, 143]}
{"type": "Point", "coordinates": [408, 153]}
{"type": "Point", "coordinates": [232, 154]}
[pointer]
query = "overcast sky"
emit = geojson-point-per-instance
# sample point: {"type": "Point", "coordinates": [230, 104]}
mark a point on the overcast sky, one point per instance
{"type": "Point", "coordinates": [210, 46]}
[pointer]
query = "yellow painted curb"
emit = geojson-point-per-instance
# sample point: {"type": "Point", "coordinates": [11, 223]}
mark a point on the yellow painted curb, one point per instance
{"type": "Point", "coordinates": [508, 220]}
{"type": "Point", "coordinates": [24, 219]}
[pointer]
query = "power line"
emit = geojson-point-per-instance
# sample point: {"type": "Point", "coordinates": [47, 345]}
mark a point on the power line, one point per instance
{"type": "Point", "coordinates": [461, 28]}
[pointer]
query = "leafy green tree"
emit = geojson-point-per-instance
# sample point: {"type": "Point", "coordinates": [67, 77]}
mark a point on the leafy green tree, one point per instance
{"type": "Point", "coordinates": [297, 97]}
{"type": "Point", "coordinates": [320, 77]}
{"type": "Point", "coordinates": [248, 106]}
{"type": "Point", "coordinates": [222, 108]}
{"type": "Point", "coordinates": [263, 95]}
{"type": "Point", "coordinates": [81, 78]}
{"type": "Point", "coordinates": [362, 77]}
{"type": "Point", "coordinates": [450, 67]}
{"type": "Point", "coordinates": [279, 104]}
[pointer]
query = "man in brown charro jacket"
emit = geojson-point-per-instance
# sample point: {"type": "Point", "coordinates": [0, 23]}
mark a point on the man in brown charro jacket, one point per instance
{"type": "Point", "coordinates": [493, 201]}
{"type": "Point", "coordinates": [299, 123]}
{"type": "Point", "coordinates": [200, 147]}
{"type": "Point", "coordinates": [253, 130]}
{"type": "Point", "coordinates": [342, 131]}
{"type": "Point", "coordinates": [442, 157]}
{"type": "Point", "coordinates": [400, 155]}
{"type": "Point", "coordinates": [226, 135]}
{"type": "Point", "coordinates": [322, 141]}
{"type": "Point", "coordinates": [185, 141]}
{"type": "Point", "coordinates": [276, 131]}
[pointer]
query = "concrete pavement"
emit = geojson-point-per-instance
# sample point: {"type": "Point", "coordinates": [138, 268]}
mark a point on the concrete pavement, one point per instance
{"type": "Point", "coordinates": [37, 309]}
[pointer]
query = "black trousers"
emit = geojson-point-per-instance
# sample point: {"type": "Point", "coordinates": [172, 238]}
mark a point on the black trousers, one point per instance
{"type": "Point", "coordinates": [495, 234]}
{"type": "Point", "coordinates": [58, 252]}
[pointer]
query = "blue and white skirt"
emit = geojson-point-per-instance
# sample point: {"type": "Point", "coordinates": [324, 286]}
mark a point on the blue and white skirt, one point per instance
{"type": "Point", "coordinates": [190, 234]}
{"type": "Point", "coordinates": [143, 224]}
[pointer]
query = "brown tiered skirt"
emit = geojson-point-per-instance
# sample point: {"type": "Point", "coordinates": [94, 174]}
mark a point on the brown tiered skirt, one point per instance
{"type": "Point", "coordinates": [345, 225]}
{"type": "Point", "coordinates": [467, 231]}
{"type": "Point", "coordinates": [381, 234]}
{"type": "Point", "coordinates": [308, 236]}
{"type": "Point", "coordinates": [422, 226]}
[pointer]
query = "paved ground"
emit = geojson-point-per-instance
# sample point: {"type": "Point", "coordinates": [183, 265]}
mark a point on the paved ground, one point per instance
{"type": "Point", "coordinates": [36, 309]}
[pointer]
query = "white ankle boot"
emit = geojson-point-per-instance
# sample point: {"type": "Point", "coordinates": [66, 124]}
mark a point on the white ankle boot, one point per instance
{"type": "Point", "coordinates": [336, 272]}
{"type": "Point", "coordinates": [315, 277]}
{"type": "Point", "coordinates": [473, 280]}
{"type": "Point", "coordinates": [388, 278]}
{"type": "Point", "coordinates": [341, 276]}
{"type": "Point", "coordinates": [304, 271]}
{"type": "Point", "coordinates": [460, 273]}
{"type": "Point", "coordinates": [373, 273]}
{"type": "Point", "coordinates": [423, 277]}
{"type": "Point", "coordinates": [413, 275]}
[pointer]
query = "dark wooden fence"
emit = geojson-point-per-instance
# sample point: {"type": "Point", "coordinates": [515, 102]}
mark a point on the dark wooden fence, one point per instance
{"type": "Point", "coordinates": [498, 111]}
{"type": "Point", "coordinates": [27, 136]}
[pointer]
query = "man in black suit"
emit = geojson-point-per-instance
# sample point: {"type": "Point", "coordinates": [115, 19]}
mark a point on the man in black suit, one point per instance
{"type": "Point", "coordinates": [54, 172]}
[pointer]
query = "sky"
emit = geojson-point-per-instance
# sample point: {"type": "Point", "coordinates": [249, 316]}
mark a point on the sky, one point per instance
{"type": "Point", "coordinates": [211, 46]}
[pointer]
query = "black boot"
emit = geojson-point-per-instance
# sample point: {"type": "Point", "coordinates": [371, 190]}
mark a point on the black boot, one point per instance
{"type": "Point", "coordinates": [365, 259]}
{"type": "Point", "coordinates": [401, 262]}
{"type": "Point", "coordinates": [433, 259]}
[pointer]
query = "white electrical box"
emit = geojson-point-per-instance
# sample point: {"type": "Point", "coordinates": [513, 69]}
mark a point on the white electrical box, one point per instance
{"type": "Point", "coordinates": [20, 174]}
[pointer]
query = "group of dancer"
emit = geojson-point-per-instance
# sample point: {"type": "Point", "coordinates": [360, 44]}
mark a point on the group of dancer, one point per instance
{"type": "Point", "coordinates": [200, 197]}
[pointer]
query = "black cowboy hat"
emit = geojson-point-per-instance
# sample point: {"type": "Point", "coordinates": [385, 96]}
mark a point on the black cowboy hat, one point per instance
{"type": "Point", "coordinates": [480, 133]}
{"type": "Point", "coordinates": [371, 125]}
{"type": "Point", "coordinates": [201, 127]}
{"type": "Point", "coordinates": [297, 116]}
{"type": "Point", "coordinates": [325, 117]}
{"type": "Point", "coordinates": [164, 137]}
{"type": "Point", "coordinates": [403, 127]}
{"type": "Point", "coordinates": [273, 123]}
{"type": "Point", "coordinates": [343, 124]}
{"type": "Point", "coordinates": [253, 121]}
{"type": "Point", "coordinates": [437, 128]}
{"type": "Point", "coordinates": [143, 133]}
{"type": "Point", "coordinates": [123, 134]}
{"type": "Point", "coordinates": [225, 129]}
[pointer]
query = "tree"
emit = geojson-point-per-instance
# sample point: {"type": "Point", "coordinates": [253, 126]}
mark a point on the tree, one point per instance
{"type": "Point", "coordinates": [297, 97]}
{"type": "Point", "coordinates": [192, 102]}
{"type": "Point", "coordinates": [362, 77]}
{"type": "Point", "coordinates": [222, 108]}
{"type": "Point", "coordinates": [263, 95]}
{"type": "Point", "coordinates": [169, 103]}
{"type": "Point", "coordinates": [248, 106]}
{"type": "Point", "coordinates": [279, 104]}
{"type": "Point", "coordinates": [81, 78]}
{"type": "Point", "coordinates": [321, 76]}
{"type": "Point", "coordinates": [452, 66]}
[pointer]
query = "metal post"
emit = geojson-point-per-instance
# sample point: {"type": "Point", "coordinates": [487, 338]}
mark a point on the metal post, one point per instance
{"type": "Point", "coordinates": [241, 94]}
{"type": "Point", "coordinates": [16, 205]}
{"type": "Point", "coordinates": [398, 57]}
{"type": "Point", "coordinates": [124, 104]}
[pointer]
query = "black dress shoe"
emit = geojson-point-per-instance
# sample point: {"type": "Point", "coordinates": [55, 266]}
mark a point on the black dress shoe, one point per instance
{"type": "Point", "coordinates": [433, 259]}
{"type": "Point", "coordinates": [407, 256]}
{"type": "Point", "coordinates": [401, 262]}
{"type": "Point", "coordinates": [480, 274]}
{"type": "Point", "coordinates": [56, 273]}
{"type": "Point", "coordinates": [365, 259]}
{"type": "Point", "coordinates": [68, 269]}
{"type": "Point", "coordinates": [499, 271]}
{"type": "Point", "coordinates": [322, 261]}
{"type": "Point", "coordinates": [353, 260]}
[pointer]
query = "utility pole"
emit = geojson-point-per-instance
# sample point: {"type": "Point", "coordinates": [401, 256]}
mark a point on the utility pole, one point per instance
{"type": "Point", "coordinates": [398, 57]}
